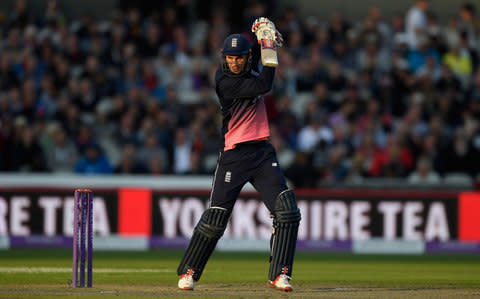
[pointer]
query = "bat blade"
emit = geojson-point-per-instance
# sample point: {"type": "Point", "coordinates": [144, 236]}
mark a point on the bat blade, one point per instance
{"type": "Point", "coordinates": [268, 53]}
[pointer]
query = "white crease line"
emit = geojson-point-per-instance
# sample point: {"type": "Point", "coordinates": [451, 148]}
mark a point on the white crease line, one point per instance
{"type": "Point", "coordinates": [65, 270]}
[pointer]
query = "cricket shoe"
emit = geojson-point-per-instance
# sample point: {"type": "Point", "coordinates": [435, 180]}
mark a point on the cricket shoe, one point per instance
{"type": "Point", "coordinates": [282, 283]}
{"type": "Point", "coordinates": [186, 281]}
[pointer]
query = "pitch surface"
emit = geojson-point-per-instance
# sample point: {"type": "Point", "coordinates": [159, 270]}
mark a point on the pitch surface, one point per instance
{"type": "Point", "coordinates": [47, 274]}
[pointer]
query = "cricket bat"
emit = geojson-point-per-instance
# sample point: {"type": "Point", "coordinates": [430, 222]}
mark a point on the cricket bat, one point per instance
{"type": "Point", "coordinates": [268, 49]}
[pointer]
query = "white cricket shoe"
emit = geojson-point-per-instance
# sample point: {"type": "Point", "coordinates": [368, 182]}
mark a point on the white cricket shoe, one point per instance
{"type": "Point", "coordinates": [186, 281]}
{"type": "Point", "coordinates": [281, 283]}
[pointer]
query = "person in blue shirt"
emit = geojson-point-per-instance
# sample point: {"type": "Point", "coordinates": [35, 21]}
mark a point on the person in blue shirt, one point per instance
{"type": "Point", "coordinates": [93, 161]}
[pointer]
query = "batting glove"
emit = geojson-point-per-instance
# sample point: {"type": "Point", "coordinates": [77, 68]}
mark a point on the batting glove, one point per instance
{"type": "Point", "coordinates": [265, 29]}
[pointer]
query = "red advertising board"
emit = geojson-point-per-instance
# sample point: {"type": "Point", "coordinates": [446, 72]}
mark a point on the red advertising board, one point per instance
{"type": "Point", "coordinates": [469, 216]}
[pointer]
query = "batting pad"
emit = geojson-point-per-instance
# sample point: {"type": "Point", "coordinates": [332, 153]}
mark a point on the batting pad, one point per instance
{"type": "Point", "coordinates": [208, 231]}
{"type": "Point", "coordinates": [285, 224]}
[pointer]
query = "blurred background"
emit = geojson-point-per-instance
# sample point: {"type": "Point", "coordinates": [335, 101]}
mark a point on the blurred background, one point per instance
{"type": "Point", "coordinates": [123, 87]}
{"type": "Point", "coordinates": [367, 94]}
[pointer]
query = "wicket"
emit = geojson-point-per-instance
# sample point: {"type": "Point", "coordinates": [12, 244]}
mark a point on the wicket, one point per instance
{"type": "Point", "coordinates": [83, 225]}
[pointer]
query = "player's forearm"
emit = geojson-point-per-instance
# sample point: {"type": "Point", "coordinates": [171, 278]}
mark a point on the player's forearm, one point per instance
{"type": "Point", "coordinates": [267, 76]}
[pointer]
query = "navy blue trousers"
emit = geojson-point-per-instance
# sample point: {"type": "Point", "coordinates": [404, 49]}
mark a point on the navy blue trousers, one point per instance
{"type": "Point", "coordinates": [254, 162]}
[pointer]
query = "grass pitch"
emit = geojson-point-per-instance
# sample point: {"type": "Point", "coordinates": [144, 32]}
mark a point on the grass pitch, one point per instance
{"type": "Point", "coordinates": [152, 274]}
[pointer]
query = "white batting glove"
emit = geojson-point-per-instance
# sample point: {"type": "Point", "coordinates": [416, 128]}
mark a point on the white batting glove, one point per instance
{"type": "Point", "coordinates": [262, 21]}
{"type": "Point", "coordinates": [265, 29]}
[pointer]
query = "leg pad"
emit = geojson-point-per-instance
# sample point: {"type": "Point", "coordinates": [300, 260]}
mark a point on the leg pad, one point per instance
{"type": "Point", "coordinates": [205, 236]}
{"type": "Point", "coordinates": [284, 238]}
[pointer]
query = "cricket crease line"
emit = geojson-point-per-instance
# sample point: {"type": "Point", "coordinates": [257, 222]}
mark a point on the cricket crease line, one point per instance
{"type": "Point", "coordinates": [66, 269]}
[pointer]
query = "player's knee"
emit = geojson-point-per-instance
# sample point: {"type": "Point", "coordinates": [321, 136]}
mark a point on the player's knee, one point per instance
{"type": "Point", "coordinates": [213, 222]}
{"type": "Point", "coordinates": [286, 209]}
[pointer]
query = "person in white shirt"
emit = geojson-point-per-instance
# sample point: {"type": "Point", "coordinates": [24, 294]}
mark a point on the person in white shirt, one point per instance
{"type": "Point", "coordinates": [416, 23]}
{"type": "Point", "coordinates": [424, 174]}
{"type": "Point", "coordinates": [314, 132]}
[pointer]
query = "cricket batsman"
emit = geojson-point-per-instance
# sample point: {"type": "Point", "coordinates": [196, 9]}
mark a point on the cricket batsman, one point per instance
{"type": "Point", "coordinates": [246, 156]}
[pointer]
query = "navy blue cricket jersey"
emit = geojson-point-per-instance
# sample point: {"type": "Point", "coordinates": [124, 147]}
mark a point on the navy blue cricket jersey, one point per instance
{"type": "Point", "coordinates": [243, 107]}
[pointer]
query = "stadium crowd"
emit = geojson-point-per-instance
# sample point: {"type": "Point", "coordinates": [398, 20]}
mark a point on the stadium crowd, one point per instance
{"type": "Point", "coordinates": [133, 93]}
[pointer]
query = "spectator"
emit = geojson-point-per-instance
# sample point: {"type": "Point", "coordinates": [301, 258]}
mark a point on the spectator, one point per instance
{"type": "Point", "coordinates": [87, 98]}
{"type": "Point", "coordinates": [182, 152]}
{"type": "Point", "coordinates": [460, 156]}
{"type": "Point", "coordinates": [372, 58]}
{"type": "Point", "coordinates": [8, 78]}
{"type": "Point", "coordinates": [26, 154]}
{"type": "Point", "coordinates": [366, 152]}
{"type": "Point", "coordinates": [150, 149]}
{"type": "Point", "coordinates": [336, 168]}
{"type": "Point", "coordinates": [53, 14]}
{"type": "Point", "coordinates": [430, 69]}
{"type": "Point", "coordinates": [416, 23]}
{"type": "Point", "coordinates": [342, 116]}
{"type": "Point", "coordinates": [129, 163]}
{"type": "Point", "coordinates": [448, 80]}
{"type": "Point", "coordinates": [370, 32]}
{"type": "Point", "coordinates": [469, 24]}
{"type": "Point", "coordinates": [62, 155]}
{"type": "Point", "coordinates": [423, 174]}
{"type": "Point", "coordinates": [336, 81]}
{"type": "Point", "coordinates": [301, 173]}
{"type": "Point", "coordinates": [356, 173]}
{"type": "Point", "coordinates": [341, 55]}
{"type": "Point", "coordinates": [397, 25]}
{"type": "Point", "coordinates": [417, 57]}
{"type": "Point", "coordinates": [375, 16]}
{"type": "Point", "coordinates": [393, 161]}
{"type": "Point", "coordinates": [338, 28]}
{"type": "Point", "coordinates": [20, 16]}
{"type": "Point", "coordinates": [458, 59]}
{"type": "Point", "coordinates": [472, 51]}
{"type": "Point", "coordinates": [322, 97]}
{"type": "Point", "coordinates": [196, 162]}
{"type": "Point", "coordinates": [126, 130]}
{"type": "Point", "coordinates": [287, 122]}
{"type": "Point", "coordinates": [432, 149]}
{"type": "Point", "coordinates": [151, 41]}
{"type": "Point", "coordinates": [93, 161]}
{"type": "Point", "coordinates": [314, 132]}
{"type": "Point", "coordinates": [85, 137]}
{"type": "Point", "coordinates": [155, 166]}
{"type": "Point", "coordinates": [451, 32]}
{"type": "Point", "coordinates": [285, 155]}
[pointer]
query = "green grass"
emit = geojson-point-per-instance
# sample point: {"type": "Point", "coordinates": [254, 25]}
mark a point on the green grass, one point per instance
{"type": "Point", "coordinates": [152, 274]}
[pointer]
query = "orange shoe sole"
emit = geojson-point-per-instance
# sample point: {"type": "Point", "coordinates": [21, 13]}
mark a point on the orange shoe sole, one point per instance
{"type": "Point", "coordinates": [286, 289]}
